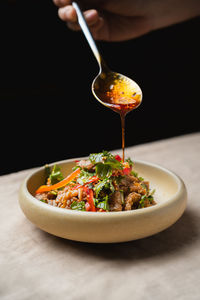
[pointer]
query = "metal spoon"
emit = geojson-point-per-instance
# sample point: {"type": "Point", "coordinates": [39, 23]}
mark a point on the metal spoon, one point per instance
{"type": "Point", "coordinates": [112, 89]}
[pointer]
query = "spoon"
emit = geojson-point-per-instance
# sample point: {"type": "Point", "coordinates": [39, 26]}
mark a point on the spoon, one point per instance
{"type": "Point", "coordinates": [112, 89]}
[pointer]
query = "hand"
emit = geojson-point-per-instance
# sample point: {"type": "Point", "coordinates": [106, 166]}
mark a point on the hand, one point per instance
{"type": "Point", "coordinates": [118, 20]}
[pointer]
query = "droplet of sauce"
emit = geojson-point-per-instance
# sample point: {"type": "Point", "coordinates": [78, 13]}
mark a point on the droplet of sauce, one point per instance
{"type": "Point", "coordinates": [121, 94]}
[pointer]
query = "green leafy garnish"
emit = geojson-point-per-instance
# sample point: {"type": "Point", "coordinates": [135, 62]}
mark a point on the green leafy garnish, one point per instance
{"type": "Point", "coordinates": [144, 186]}
{"type": "Point", "coordinates": [78, 205]}
{"type": "Point", "coordinates": [96, 157]}
{"type": "Point", "coordinates": [105, 185]}
{"type": "Point", "coordinates": [152, 192]}
{"type": "Point", "coordinates": [42, 200]}
{"type": "Point", "coordinates": [55, 175]}
{"type": "Point", "coordinates": [84, 176]}
{"type": "Point", "coordinates": [129, 161]}
{"type": "Point", "coordinates": [141, 203]}
{"type": "Point", "coordinates": [143, 199]}
{"type": "Point", "coordinates": [106, 158]}
{"type": "Point", "coordinates": [105, 163]}
{"type": "Point", "coordinates": [47, 172]}
{"type": "Point", "coordinates": [134, 173]}
{"type": "Point", "coordinates": [103, 171]}
{"type": "Point", "coordinates": [102, 203]}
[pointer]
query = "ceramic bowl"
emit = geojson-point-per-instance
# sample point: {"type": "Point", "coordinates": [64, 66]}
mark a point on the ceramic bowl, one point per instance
{"type": "Point", "coordinates": [109, 227]}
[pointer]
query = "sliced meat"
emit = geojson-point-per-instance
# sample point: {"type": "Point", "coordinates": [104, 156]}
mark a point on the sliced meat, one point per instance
{"type": "Point", "coordinates": [126, 182]}
{"type": "Point", "coordinates": [131, 199]}
{"type": "Point", "coordinates": [115, 202]}
{"type": "Point", "coordinates": [138, 188]}
{"type": "Point", "coordinates": [132, 178]}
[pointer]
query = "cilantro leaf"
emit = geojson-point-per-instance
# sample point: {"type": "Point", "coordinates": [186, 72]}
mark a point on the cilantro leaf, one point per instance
{"type": "Point", "coordinates": [105, 163]}
{"type": "Point", "coordinates": [143, 199]}
{"type": "Point", "coordinates": [113, 163]}
{"type": "Point", "coordinates": [84, 176]}
{"type": "Point", "coordinates": [96, 157]}
{"type": "Point", "coordinates": [103, 171]}
{"type": "Point", "coordinates": [55, 175]}
{"type": "Point", "coordinates": [47, 172]}
{"type": "Point", "coordinates": [134, 173]}
{"type": "Point", "coordinates": [104, 184]}
{"type": "Point", "coordinates": [129, 161]}
{"type": "Point", "coordinates": [106, 158]}
{"type": "Point", "coordinates": [78, 205]}
{"type": "Point", "coordinates": [102, 203]}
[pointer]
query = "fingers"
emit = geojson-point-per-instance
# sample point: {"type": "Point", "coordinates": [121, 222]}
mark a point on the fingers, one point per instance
{"type": "Point", "coordinates": [62, 3]}
{"type": "Point", "coordinates": [94, 27]}
{"type": "Point", "coordinates": [67, 13]}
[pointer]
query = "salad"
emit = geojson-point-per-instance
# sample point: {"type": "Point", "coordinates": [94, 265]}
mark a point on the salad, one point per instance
{"type": "Point", "coordinates": [101, 183]}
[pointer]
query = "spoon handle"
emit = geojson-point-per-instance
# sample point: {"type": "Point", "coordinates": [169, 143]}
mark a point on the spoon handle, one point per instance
{"type": "Point", "coordinates": [88, 35]}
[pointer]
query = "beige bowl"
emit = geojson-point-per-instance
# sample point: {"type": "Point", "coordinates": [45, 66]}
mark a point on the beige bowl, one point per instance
{"type": "Point", "coordinates": [109, 227]}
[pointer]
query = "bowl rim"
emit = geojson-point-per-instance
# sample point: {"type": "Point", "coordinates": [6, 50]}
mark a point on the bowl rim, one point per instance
{"type": "Point", "coordinates": [180, 183]}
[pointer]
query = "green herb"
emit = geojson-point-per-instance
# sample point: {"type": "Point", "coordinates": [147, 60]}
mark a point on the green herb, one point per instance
{"type": "Point", "coordinates": [84, 176]}
{"type": "Point", "coordinates": [129, 161]}
{"type": "Point", "coordinates": [103, 171]}
{"type": "Point", "coordinates": [75, 168]}
{"type": "Point", "coordinates": [100, 157]}
{"type": "Point", "coordinates": [118, 179]}
{"type": "Point", "coordinates": [47, 172]}
{"type": "Point", "coordinates": [42, 200]}
{"type": "Point", "coordinates": [96, 157]}
{"type": "Point", "coordinates": [90, 186]}
{"type": "Point", "coordinates": [113, 163]}
{"type": "Point", "coordinates": [141, 178]}
{"type": "Point", "coordinates": [78, 205]}
{"type": "Point", "coordinates": [134, 173]}
{"type": "Point", "coordinates": [150, 198]}
{"type": "Point", "coordinates": [54, 192]}
{"type": "Point", "coordinates": [105, 185]}
{"type": "Point", "coordinates": [55, 175]}
{"type": "Point", "coordinates": [143, 199]}
{"type": "Point", "coordinates": [152, 192]}
{"type": "Point", "coordinates": [144, 186]}
{"type": "Point", "coordinates": [105, 163]}
{"type": "Point", "coordinates": [102, 203]}
{"type": "Point", "coordinates": [107, 158]}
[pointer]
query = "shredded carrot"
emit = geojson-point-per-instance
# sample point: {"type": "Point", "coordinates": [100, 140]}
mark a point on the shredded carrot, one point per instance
{"type": "Point", "coordinates": [47, 188]}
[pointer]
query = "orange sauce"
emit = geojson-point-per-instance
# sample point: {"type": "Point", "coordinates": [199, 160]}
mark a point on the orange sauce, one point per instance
{"type": "Point", "coordinates": [122, 96]}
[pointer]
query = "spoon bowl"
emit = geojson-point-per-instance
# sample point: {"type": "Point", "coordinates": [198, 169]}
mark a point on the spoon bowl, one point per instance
{"type": "Point", "coordinates": [116, 91]}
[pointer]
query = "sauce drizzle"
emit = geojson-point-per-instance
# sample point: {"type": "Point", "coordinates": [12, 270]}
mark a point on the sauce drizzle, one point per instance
{"type": "Point", "coordinates": [121, 95]}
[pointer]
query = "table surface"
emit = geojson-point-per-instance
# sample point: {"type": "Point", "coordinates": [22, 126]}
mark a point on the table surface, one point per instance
{"type": "Point", "coordinates": [38, 265]}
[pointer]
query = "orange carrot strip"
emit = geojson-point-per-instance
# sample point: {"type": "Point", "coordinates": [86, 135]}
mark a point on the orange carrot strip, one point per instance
{"type": "Point", "coordinates": [47, 188]}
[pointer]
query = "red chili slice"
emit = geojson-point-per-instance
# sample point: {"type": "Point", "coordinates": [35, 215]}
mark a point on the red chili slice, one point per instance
{"type": "Point", "coordinates": [117, 157]}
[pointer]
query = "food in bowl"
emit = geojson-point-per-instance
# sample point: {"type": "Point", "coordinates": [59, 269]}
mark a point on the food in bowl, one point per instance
{"type": "Point", "coordinates": [101, 183]}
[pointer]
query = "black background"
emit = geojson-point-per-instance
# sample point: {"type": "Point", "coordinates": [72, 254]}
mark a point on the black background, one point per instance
{"type": "Point", "coordinates": [48, 112]}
